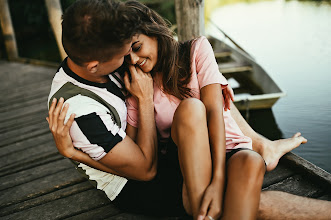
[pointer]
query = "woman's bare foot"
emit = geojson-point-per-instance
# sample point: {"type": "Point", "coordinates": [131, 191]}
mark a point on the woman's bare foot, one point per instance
{"type": "Point", "coordinates": [272, 151]}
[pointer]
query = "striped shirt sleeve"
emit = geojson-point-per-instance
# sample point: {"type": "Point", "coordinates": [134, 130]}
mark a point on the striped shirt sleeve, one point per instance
{"type": "Point", "coordinates": [93, 131]}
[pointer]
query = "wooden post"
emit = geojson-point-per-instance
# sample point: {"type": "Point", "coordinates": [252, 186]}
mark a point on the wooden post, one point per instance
{"type": "Point", "coordinates": [190, 19]}
{"type": "Point", "coordinates": [8, 31]}
{"type": "Point", "coordinates": [54, 15]}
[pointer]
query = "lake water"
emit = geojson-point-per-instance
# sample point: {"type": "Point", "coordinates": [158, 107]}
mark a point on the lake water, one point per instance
{"type": "Point", "coordinates": [291, 40]}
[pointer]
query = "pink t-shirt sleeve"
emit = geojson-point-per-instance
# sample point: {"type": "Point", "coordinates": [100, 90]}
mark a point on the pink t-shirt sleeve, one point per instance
{"type": "Point", "coordinates": [206, 66]}
{"type": "Point", "coordinates": [132, 116]}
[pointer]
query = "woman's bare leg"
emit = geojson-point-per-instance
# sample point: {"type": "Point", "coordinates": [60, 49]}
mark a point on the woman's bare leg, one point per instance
{"type": "Point", "coordinates": [190, 133]}
{"type": "Point", "coordinates": [271, 151]}
{"type": "Point", "coordinates": [245, 171]}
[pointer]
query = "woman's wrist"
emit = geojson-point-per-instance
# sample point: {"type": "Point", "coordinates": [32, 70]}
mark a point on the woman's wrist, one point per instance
{"type": "Point", "coordinates": [73, 154]}
{"type": "Point", "coordinates": [219, 175]}
{"type": "Point", "coordinates": [70, 153]}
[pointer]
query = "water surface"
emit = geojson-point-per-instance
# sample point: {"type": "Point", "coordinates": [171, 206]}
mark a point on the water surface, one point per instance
{"type": "Point", "coordinates": [292, 41]}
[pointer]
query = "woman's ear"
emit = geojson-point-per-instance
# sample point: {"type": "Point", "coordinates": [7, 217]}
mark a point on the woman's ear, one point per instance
{"type": "Point", "coordinates": [92, 66]}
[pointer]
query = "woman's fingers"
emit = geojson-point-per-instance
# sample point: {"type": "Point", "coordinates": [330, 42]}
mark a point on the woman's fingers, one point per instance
{"type": "Point", "coordinates": [204, 208]}
{"type": "Point", "coordinates": [231, 93]}
{"type": "Point", "coordinates": [226, 99]}
{"type": "Point", "coordinates": [212, 213]}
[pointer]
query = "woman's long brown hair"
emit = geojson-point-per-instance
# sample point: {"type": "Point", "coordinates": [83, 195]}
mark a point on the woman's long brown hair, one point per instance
{"type": "Point", "coordinates": [173, 57]}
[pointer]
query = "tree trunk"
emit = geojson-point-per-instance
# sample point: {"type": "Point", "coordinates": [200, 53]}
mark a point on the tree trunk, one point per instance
{"type": "Point", "coordinates": [190, 19]}
{"type": "Point", "coordinates": [54, 15]}
{"type": "Point", "coordinates": [8, 31]}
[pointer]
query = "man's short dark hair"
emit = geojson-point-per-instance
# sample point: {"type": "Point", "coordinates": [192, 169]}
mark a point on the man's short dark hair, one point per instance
{"type": "Point", "coordinates": [96, 29]}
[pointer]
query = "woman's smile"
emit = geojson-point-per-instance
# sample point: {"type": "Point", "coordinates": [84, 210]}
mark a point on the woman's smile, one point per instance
{"type": "Point", "coordinates": [143, 63]}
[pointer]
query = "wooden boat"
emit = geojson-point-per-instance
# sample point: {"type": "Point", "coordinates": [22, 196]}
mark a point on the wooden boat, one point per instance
{"type": "Point", "coordinates": [38, 183]}
{"type": "Point", "coordinates": [253, 87]}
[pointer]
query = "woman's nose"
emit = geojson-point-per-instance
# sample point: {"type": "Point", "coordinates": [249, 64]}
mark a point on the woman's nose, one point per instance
{"type": "Point", "coordinates": [133, 58]}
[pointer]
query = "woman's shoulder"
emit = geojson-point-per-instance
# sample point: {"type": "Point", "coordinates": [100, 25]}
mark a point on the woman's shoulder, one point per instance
{"type": "Point", "coordinates": [200, 43]}
{"type": "Point", "coordinates": [200, 40]}
{"type": "Point", "coordinates": [200, 47]}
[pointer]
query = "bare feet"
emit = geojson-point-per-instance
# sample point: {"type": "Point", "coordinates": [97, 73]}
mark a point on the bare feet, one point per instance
{"type": "Point", "coordinates": [272, 151]}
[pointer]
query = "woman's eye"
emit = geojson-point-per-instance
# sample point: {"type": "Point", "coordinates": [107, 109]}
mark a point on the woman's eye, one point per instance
{"type": "Point", "coordinates": [135, 49]}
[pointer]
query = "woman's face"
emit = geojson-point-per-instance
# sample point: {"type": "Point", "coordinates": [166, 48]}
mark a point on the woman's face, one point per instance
{"type": "Point", "coordinates": [143, 53]}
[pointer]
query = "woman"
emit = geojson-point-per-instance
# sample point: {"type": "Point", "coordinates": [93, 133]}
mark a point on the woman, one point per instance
{"type": "Point", "coordinates": [181, 71]}
{"type": "Point", "coordinates": [201, 130]}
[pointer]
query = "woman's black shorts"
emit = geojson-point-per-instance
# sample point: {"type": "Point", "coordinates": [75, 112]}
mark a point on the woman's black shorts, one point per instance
{"type": "Point", "coordinates": [163, 195]}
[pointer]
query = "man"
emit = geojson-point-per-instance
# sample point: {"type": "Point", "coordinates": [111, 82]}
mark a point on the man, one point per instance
{"type": "Point", "coordinates": [96, 44]}
{"type": "Point", "coordinates": [96, 36]}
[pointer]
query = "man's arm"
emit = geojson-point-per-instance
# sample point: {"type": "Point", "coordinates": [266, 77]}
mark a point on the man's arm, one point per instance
{"type": "Point", "coordinates": [126, 158]}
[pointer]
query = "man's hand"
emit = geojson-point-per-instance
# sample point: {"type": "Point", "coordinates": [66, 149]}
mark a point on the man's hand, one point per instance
{"type": "Point", "coordinates": [59, 129]}
{"type": "Point", "coordinates": [141, 84]}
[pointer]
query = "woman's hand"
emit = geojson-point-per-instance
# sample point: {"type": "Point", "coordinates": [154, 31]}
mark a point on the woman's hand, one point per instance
{"type": "Point", "coordinates": [228, 96]}
{"type": "Point", "coordinates": [212, 202]}
{"type": "Point", "coordinates": [141, 84]}
{"type": "Point", "coordinates": [59, 129]}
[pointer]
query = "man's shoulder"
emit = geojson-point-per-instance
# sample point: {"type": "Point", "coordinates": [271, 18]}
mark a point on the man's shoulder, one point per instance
{"type": "Point", "coordinates": [83, 105]}
{"type": "Point", "coordinates": [58, 81]}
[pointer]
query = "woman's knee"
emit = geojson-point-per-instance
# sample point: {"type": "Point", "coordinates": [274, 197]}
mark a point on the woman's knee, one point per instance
{"type": "Point", "coordinates": [249, 161]}
{"type": "Point", "coordinates": [189, 118]}
{"type": "Point", "coordinates": [190, 110]}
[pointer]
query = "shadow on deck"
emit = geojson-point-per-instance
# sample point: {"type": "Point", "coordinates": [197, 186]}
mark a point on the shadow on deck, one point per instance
{"type": "Point", "coordinates": [38, 183]}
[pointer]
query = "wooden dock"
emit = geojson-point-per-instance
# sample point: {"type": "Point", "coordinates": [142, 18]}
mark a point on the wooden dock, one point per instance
{"type": "Point", "coordinates": [36, 182]}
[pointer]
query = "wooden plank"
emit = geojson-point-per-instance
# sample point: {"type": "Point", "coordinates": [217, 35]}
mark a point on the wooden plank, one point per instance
{"type": "Point", "coordinates": [23, 136]}
{"type": "Point", "coordinates": [222, 54]}
{"type": "Point", "coordinates": [43, 63]}
{"type": "Point", "coordinates": [280, 173]}
{"type": "Point", "coordinates": [124, 216]}
{"type": "Point", "coordinates": [21, 74]}
{"type": "Point", "coordinates": [28, 111]}
{"type": "Point", "coordinates": [24, 176]}
{"type": "Point", "coordinates": [234, 67]}
{"type": "Point", "coordinates": [298, 185]}
{"type": "Point", "coordinates": [103, 212]}
{"type": "Point", "coordinates": [326, 196]}
{"type": "Point", "coordinates": [21, 122]}
{"type": "Point", "coordinates": [39, 187]}
{"type": "Point", "coordinates": [64, 207]}
{"type": "Point", "coordinates": [26, 144]}
{"type": "Point", "coordinates": [24, 132]}
{"type": "Point", "coordinates": [33, 92]}
{"type": "Point", "coordinates": [42, 159]}
{"type": "Point", "coordinates": [21, 159]}
{"type": "Point", "coordinates": [29, 88]}
{"type": "Point", "coordinates": [59, 194]}
{"type": "Point", "coordinates": [306, 167]}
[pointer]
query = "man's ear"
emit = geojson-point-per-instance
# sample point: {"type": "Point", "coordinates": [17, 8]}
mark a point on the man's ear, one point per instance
{"type": "Point", "coordinates": [92, 66]}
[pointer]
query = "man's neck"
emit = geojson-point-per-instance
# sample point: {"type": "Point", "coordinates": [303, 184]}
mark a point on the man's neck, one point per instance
{"type": "Point", "coordinates": [84, 73]}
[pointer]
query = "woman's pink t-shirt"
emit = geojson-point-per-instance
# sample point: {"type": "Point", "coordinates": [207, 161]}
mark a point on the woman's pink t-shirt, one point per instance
{"type": "Point", "coordinates": [204, 72]}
